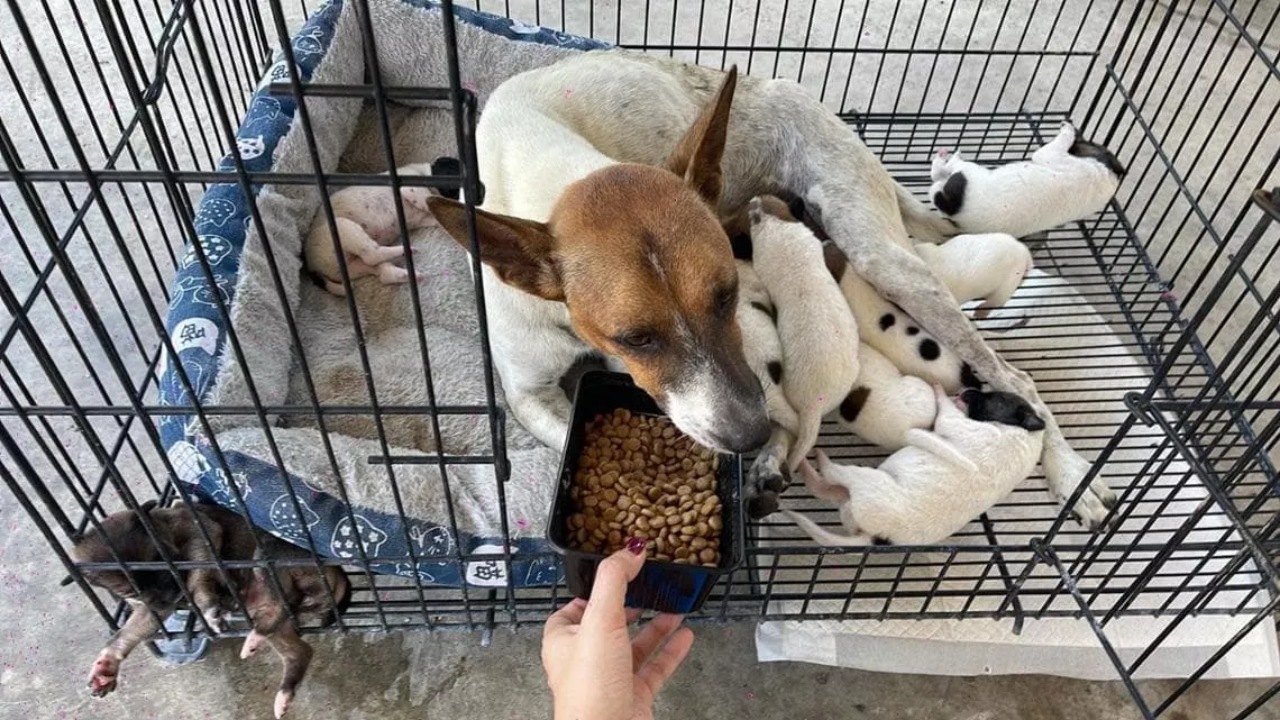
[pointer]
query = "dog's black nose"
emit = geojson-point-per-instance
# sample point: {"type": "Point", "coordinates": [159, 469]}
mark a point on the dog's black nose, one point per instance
{"type": "Point", "coordinates": [750, 435]}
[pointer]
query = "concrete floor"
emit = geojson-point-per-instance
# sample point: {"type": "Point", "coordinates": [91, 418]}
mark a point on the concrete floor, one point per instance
{"type": "Point", "coordinates": [49, 636]}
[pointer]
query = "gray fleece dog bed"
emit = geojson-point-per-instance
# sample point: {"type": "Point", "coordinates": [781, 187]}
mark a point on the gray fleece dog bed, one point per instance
{"type": "Point", "coordinates": [283, 474]}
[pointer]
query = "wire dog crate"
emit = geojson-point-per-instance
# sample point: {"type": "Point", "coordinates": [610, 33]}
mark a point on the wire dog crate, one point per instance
{"type": "Point", "coordinates": [1152, 333]}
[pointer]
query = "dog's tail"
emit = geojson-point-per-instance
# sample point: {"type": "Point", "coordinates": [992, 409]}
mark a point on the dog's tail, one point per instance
{"type": "Point", "coordinates": [922, 224]}
{"type": "Point", "coordinates": [822, 536]}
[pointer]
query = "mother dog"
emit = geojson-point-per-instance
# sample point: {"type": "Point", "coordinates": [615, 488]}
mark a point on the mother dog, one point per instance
{"type": "Point", "coordinates": [598, 234]}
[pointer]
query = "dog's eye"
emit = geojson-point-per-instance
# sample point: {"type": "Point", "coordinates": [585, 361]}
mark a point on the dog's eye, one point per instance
{"type": "Point", "coordinates": [726, 301]}
{"type": "Point", "coordinates": [637, 340]}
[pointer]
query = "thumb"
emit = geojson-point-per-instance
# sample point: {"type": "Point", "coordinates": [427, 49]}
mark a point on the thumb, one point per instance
{"type": "Point", "coordinates": [608, 593]}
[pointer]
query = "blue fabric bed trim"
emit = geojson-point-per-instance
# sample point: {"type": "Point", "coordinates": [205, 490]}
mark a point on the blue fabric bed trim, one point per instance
{"type": "Point", "coordinates": [198, 333]}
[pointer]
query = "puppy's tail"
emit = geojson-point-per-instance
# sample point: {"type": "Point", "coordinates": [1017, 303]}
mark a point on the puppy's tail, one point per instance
{"type": "Point", "coordinates": [806, 437]}
{"type": "Point", "coordinates": [822, 536]}
{"type": "Point", "coordinates": [922, 224]}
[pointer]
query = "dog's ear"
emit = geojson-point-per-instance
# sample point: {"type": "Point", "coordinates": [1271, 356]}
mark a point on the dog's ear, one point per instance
{"type": "Point", "coordinates": [520, 251]}
{"type": "Point", "coordinates": [697, 156]}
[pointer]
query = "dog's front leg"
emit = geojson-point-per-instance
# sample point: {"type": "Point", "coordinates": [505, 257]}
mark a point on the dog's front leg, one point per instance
{"type": "Point", "coordinates": [768, 475]}
{"type": "Point", "coordinates": [543, 410]}
{"type": "Point", "coordinates": [141, 625]}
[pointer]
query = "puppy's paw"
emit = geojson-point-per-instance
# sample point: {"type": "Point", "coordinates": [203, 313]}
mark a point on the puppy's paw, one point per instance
{"type": "Point", "coordinates": [765, 481]}
{"type": "Point", "coordinates": [284, 699]}
{"type": "Point", "coordinates": [1067, 129]}
{"type": "Point", "coordinates": [213, 618]}
{"type": "Point", "coordinates": [103, 676]}
{"type": "Point", "coordinates": [251, 644]}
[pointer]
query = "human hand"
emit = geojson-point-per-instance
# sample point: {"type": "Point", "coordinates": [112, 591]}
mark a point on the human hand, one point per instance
{"type": "Point", "coordinates": [595, 669]}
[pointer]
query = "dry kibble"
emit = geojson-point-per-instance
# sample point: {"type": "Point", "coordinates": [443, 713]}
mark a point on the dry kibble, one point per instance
{"type": "Point", "coordinates": [638, 476]}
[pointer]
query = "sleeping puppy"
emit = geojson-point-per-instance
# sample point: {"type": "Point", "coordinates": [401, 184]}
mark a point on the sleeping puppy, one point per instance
{"type": "Point", "coordinates": [884, 326]}
{"type": "Point", "coordinates": [757, 319]}
{"type": "Point", "coordinates": [987, 267]}
{"type": "Point", "coordinates": [760, 344]}
{"type": "Point", "coordinates": [368, 230]}
{"type": "Point", "coordinates": [927, 491]}
{"type": "Point", "coordinates": [818, 334]}
{"type": "Point", "coordinates": [891, 332]}
{"type": "Point", "coordinates": [1068, 179]}
{"type": "Point", "coordinates": [885, 404]}
{"type": "Point", "coordinates": [153, 595]}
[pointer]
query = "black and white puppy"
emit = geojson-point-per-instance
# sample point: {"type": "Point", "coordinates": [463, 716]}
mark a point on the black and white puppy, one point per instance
{"type": "Point", "coordinates": [885, 404]}
{"type": "Point", "coordinates": [985, 266]}
{"type": "Point", "coordinates": [1068, 179]}
{"type": "Point", "coordinates": [932, 488]}
{"type": "Point", "coordinates": [884, 326]}
{"type": "Point", "coordinates": [893, 333]}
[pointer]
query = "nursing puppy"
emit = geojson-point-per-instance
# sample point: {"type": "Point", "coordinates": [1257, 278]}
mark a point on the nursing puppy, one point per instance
{"type": "Point", "coordinates": [883, 326]}
{"type": "Point", "coordinates": [928, 491]}
{"type": "Point", "coordinates": [368, 229]}
{"type": "Point", "coordinates": [987, 267]}
{"type": "Point", "coordinates": [153, 595]}
{"type": "Point", "coordinates": [818, 334]}
{"type": "Point", "coordinates": [1066, 180]}
{"type": "Point", "coordinates": [760, 343]}
{"type": "Point", "coordinates": [885, 404]}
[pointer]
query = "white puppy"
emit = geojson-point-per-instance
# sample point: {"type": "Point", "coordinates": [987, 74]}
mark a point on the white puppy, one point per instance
{"type": "Point", "coordinates": [368, 231]}
{"type": "Point", "coordinates": [818, 333]}
{"type": "Point", "coordinates": [1066, 180]}
{"type": "Point", "coordinates": [987, 267]}
{"type": "Point", "coordinates": [884, 403]}
{"type": "Point", "coordinates": [927, 491]}
{"type": "Point", "coordinates": [760, 343]}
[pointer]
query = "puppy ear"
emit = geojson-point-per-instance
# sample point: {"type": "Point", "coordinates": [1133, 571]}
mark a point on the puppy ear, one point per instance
{"type": "Point", "coordinates": [520, 251]}
{"type": "Point", "coordinates": [698, 154]}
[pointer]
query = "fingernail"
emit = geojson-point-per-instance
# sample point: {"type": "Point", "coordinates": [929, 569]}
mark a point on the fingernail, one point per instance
{"type": "Point", "coordinates": [635, 546]}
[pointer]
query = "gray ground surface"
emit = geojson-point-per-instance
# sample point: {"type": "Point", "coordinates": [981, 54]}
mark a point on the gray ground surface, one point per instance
{"type": "Point", "coordinates": [49, 635]}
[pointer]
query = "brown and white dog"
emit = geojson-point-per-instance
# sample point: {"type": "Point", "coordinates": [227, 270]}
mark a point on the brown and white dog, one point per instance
{"type": "Point", "coordinates": [153, 595]}
{"type": "Point", "coordinates": [598, 235]}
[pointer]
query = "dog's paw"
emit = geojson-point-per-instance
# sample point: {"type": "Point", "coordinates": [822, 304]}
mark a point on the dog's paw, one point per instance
{"type": "Point", "coordinates": [765, 481]}
{"type": "Point", "coordinates": [1093, 510]}
{"type": "Point", "coordinates": [762, 506]}
{"type": "Point", "coordinates": [284, 699]}
{"type": "Point", "coordinates": [213, 618]}
{"type": "Point", "coordinates": [1067, 129]}
{"type": "Point", "coordinates": [103, 676]}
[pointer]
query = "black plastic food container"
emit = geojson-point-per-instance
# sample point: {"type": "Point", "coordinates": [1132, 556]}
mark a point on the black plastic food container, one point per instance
{"type": "Point", "coordinates": [661, 586]}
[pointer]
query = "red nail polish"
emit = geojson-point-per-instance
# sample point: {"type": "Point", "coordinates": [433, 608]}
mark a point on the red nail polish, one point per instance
{"type": "Point", "coordinates": [635, 546]}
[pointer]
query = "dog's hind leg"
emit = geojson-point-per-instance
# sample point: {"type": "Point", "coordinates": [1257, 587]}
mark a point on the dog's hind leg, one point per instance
{"type": "Point", "coordinates": [820, 486]}
{"type": "Point", "coordinates": [825, 537]}
{"type": "Point", "coordinates": [1057, 147]}
{"type": "Point", "coordinates": [295, 657]}
{"type": "Point", "coordinates": [141, 625]}
{"type": "Point", "coordinates": [356, 241]}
